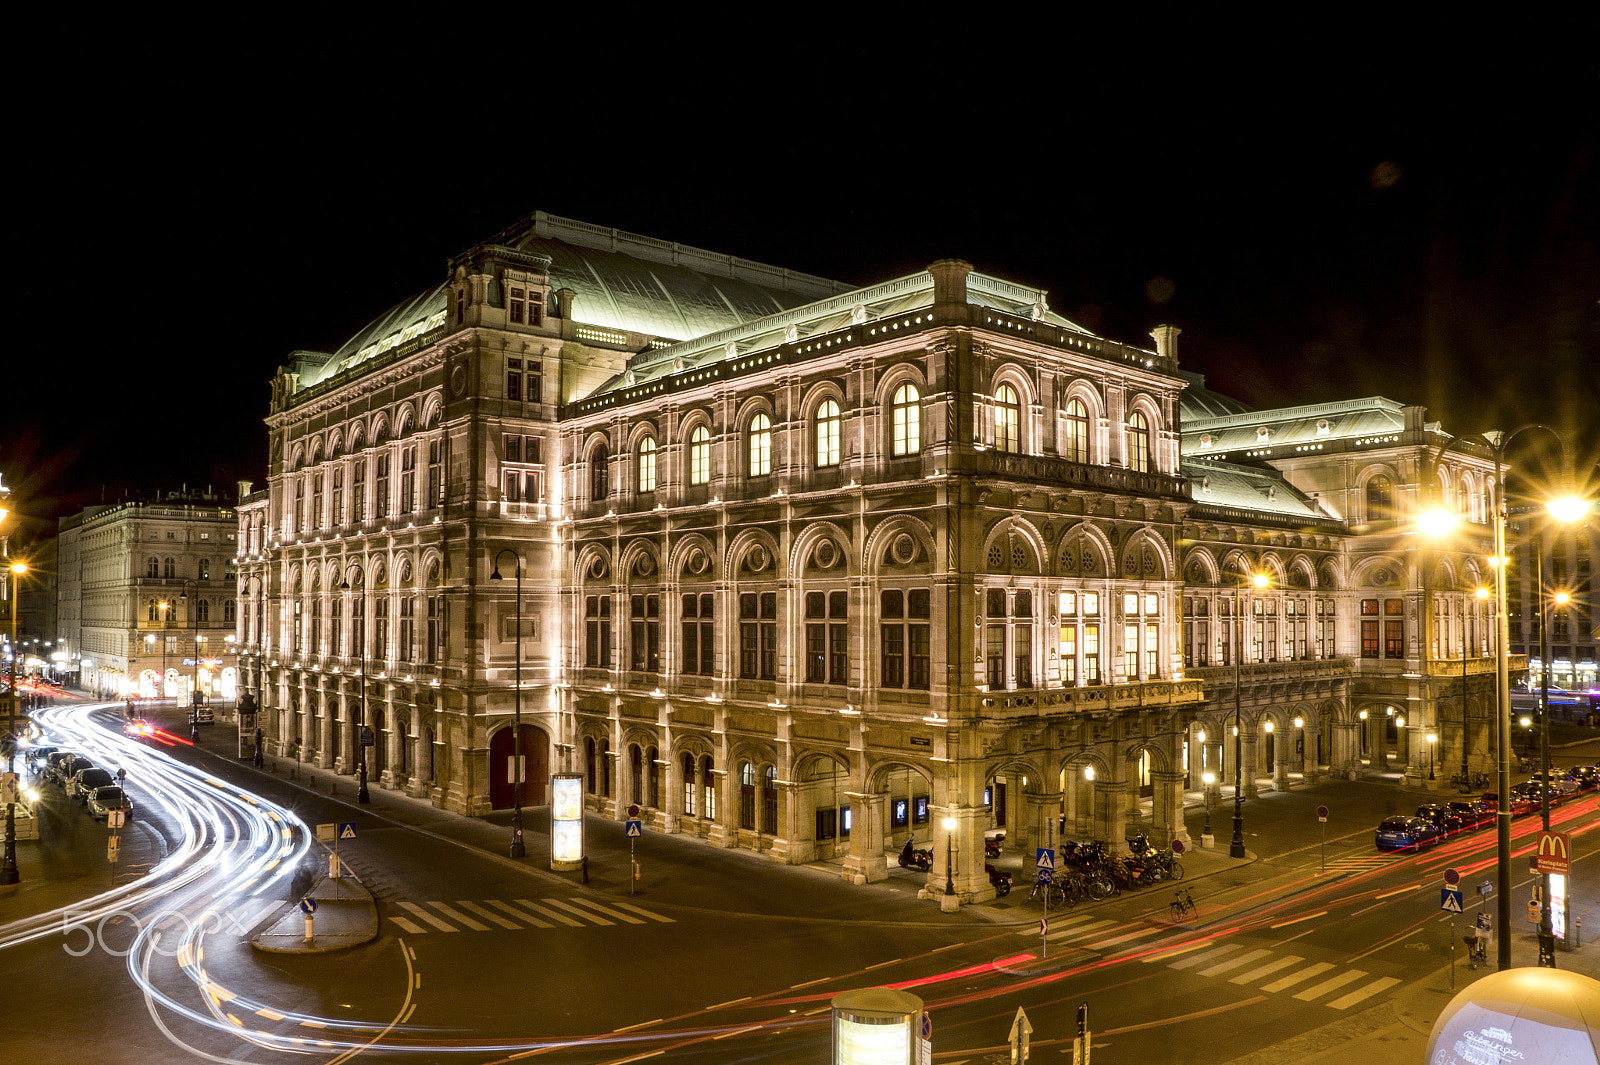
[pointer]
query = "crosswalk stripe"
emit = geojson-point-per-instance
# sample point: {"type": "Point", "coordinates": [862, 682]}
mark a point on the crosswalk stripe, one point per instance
{"type": "Point", "coordinates": [1380, 984]}
{"type": "Point", "coordinates": [487, 916]}
{"type": "Point", "coordinates": [1058, 923]}
{"type": "Point", "coordinates": [596, 918]}
{"type": "Point", "coordinates": [608, 911]}
{"type": "Point", "coordinates": [644, 912]}
{"type": "Point", "coordinates": [1266, 970]}
{"type": "Point", "coordinates": [456, 915]}
{"type": "Point", "coordinates": [429, 918]}
{"type": "Point", "coordinates": [255, 917]}
{"type": "Point", "coordinates": [407, 926]}
{"type": "Point", "coordinates": [1073, 933]}
{"type": "Point", "coordinates": [1184, 963]}
{"type": "Point", "coordinates": [1294, 978]}
{"type": "Point", "coordinates": [1234, 963]}
{"type": "Point", "coordinates": [548, 912]}
{"type": "Point", "coordinates": [513, 911]}
{"type": "Point", "coordinates": [1331, 984]}
{"type": "Point", "coordinates": [1139, 933]}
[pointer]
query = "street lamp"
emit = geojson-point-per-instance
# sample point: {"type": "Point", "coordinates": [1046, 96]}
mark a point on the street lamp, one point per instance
{"type": "Point", "coordinates": [194, 625]}
{"type": "Point", "coordinates": [949, 853]}
{"type": "Point", "coordinates": [1236, 845]}
{"type": "Point", "coordinates": [518, 850]}
{"type": "Point", "coordinates": [163, 606]}
{"type": "Point", "coordinates": [362, 794]}
{"type": "Point", "coordinates": [1433, 740]}
{"type": "Point", "coordinates": [8, 870]}
{"type": "Point", "coordinates": [1208, 779]}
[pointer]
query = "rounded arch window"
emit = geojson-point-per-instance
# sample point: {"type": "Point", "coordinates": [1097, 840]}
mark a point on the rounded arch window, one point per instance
{"type": "Point", "coordinates": [700, 455]}
{"type": "Point", "coordinates": [828, 433]}
{"type": "Point", "coordinates": [647, 464]}
{"type": "Point", "coordinates": [760, 445]}
{"type": "Point", "coordinates": [599, 472]}
{"type": "Point", "coordinates": [1138, 442]}
{"type": "Point", "coordinates": [905, 412]}
{"type": "Point", "coordinates": [1380, 498]}
{"type": "Point", "coordinates": [1075, 438]}
{"type": "Point", "coordinates": [1007, 419]}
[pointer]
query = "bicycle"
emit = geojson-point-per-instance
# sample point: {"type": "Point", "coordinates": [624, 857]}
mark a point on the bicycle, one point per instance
{"type": "Point", "coordinates": [1181, 905]}
{"type": "Point", "coordinates": [1477, 950]}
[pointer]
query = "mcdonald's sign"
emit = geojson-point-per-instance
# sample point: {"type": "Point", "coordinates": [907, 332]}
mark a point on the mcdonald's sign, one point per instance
{"type": "Point", "coordinates": [1552, 854]}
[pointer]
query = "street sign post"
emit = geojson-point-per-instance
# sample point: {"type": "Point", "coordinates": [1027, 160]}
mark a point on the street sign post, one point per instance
{"type": "Point", "coordinates": [1021, 1029]}
{"type": "Point", "coordinates": [635, 830]}
{"type": "Point", "coordinates": [308, 906]}
{"type": "Point", "coordinates": [1322, 819]}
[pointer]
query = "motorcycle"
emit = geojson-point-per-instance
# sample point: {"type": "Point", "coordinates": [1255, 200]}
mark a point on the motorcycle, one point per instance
{"type": "Point", "coordinates": [992, 845]}
{"type": "Point", "coordinates": [912, 857]}
{"type": "Point", "coordinates": [1000, 880]}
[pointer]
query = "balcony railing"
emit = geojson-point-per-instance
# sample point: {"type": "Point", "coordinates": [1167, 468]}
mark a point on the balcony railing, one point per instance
{"type": "Point", "coordinates": [1141, 695]}
{"type": "Point", "coordinates": [1269, 672]}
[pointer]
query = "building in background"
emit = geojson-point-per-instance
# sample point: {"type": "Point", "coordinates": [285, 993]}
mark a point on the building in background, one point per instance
{"type": "Point", "coordinates": [808, 568]}
{"type": "Point", "coordinates": [148, 601]}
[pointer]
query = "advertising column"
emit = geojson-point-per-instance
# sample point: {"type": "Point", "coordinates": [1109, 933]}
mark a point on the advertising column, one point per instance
{"type": "Point", "coordinates": [566, 822]}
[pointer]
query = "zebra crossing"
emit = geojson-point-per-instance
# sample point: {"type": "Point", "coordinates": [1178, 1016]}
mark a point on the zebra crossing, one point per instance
{"type": "Point", "coordinates": [489, 915]}
{"type": "Point", "coordinates": [1307, 981]}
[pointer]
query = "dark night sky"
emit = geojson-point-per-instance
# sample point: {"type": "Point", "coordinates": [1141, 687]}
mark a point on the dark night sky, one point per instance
{"type": "Point", "coordinates": [1412, 219]}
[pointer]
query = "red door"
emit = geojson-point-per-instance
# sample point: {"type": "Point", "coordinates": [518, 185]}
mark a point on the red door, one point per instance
{"type": "Point", "coordinates": [535, 767]}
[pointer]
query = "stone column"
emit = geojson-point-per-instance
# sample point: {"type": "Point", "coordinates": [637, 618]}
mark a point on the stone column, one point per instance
{"type": "Point", "coordinates": [1282, 757]}
{"type": "Point", "coordinates": [1346, 760]}
{"type": "Point", "coordinates": [867, 861]}
{"type": "Point", "coordinates": [1167, 809]}
{"type": "Point", "coordinates": [324, 723]}
{"type": "Point", "coordinates": [1251, 766]}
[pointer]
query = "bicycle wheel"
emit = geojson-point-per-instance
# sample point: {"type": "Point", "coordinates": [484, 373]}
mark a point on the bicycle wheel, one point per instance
{"type": "Point", "coordinates": [1175, 870]}
{"type": "Point", "coordinates": [1099, 887]}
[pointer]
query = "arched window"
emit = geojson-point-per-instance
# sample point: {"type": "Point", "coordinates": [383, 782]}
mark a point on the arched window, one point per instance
{"type": "Point", "coordinates": [747, 796]}
{"type": "Point", "coordinates": [647, 465]}
{"type": "Point", "coordinates": [229, 612]}
{"type": "Point", "coordinates": [1380, 499]}
{"type": "Point", "coordinates": [769, 800]}
{"type": "Point", "coordinates": [906, 419]}
{"type": "Point", "coordinates": [700, 455]}
{"type": "Point", "coordinates": [170, 569]}
{"type": "Point", "coordinates": [1007, 419]}
{"type": "Point", "coordinates": [828, 434]}
{"type": "Point", "coordinates": [599, 472]}
{"type": "Point", "coordinates": [203, 611]}
{"type": "Point", "coordinates": [204, 569]}
{"type": "Point", "coordinates": [1138, 443]}
{"type": "Point", "coordinates": [1075, 440]}
{"type": "Point", "coordinates": [653, 792]}
{"type": "Point", "coordinates": [589, 765]}
{"type": "Point", "coordinates": [152, 567]}
{"type": "Point", "coordinates": [689, 789]}
{"type": "Point", "coordinates": [708, 788]}
{"type": "Point", "coordinates": [151, 605]}
{"type": "Point", "coordinates": [760, 446]}
{"type": "Point", "coordinates": [635, 774]}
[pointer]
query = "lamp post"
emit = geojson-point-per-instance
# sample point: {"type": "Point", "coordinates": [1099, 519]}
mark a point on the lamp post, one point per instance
{"type": "Point", "coordinates": [1236, 845]}
{"type": "Point", "coordinates": [518, 850]}
{"type": "Point", "coordinates": [163, 606]}
{"type": "Point", "coordinates": [362, 794]}
{"type": "Point", "coordinates": [1433, 741]}
{"type": "Point", "coordinates": [8, 870]}
{"type": "Point", "coordinates": [1207, 779]}
{"type": "Point", "coordinates": [949, 856]}
{"type": "Point", "coordinates": [194, 625]}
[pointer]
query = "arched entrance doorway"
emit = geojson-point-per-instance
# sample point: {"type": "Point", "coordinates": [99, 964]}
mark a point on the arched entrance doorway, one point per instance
{"type": "Point", "coordinates": [535, 767]}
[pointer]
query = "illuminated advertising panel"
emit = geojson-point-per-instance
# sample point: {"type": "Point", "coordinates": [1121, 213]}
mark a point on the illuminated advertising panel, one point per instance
{"type": "Point", "coordinates": [566, 821]}
{"type": "Point", "coordinates": [1558, 905]}
{"type": "Point", "coordinates": [876, 1026]}
{"type": "Point", "coordinates": [874, 1043]}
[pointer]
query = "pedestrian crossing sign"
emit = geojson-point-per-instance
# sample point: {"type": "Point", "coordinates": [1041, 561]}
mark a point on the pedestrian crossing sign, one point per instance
{"type": "Point", "coordinates": [347, 830]}
{"type": "Point", "coordinates": [1450, 900]}
{"type": "Point", "coordinates": [635, 828]}
{"type": "Point", "coordinates": [1044, 858]}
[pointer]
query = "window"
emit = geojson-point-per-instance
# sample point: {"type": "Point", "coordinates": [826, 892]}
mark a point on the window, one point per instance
{"type": "Point", "coordinates": [229, 612]}
{"type": "Point", "coordinates": [699, 641]}
{"type": "Point", "coordinates": [828, 434]}
{"type": "Point", "coordinates": [758, 636]}
{"type": "Point", "coordinates": [599, 472]}
{"type": "Point", "coordinates": [769, 800]}
{"type": "Point", "coordinates": [647, 465]}
{"type": "Point", "coordinates": [1007, 419]}
{"type": "Point", "coordinates": [432, 649]}
{"type": "Point", "coordinates": [904, 634]}
{"type": "Point", "coordinates": [1380, 499]}
{"type": "Point", "coordinates": [380, 629]}
{"type": "Point", "coordinates": [299, 504]}
{"type": "Point", "coordinates": [1075, 438]}
{"type": "Point", "coordinates": [597, 631]}
{"type": "Point", "coordinates": [317, 513]}
{"type": "Point", "coordinates": [435, 472]}
{"type": "Point", "coordinates": [747, 796]}
{"type": "Point", "coordinates": [1196, 631]}
{"type": "Point", "coordinates": [152, 568]}
{"type": "Point", "coordinates": [1394, 628]}
{"type": "Point", "coordinates": [408, 608]}
{"type": "Point", "coordinates": [170, 569]}
{"type": "Point", "coordinates": [1369, 628]}
{"type": "Point", "coordinates": [708, 788]}
{"type": "Point", "coordinates": [645, 629]}
{"type": "Point", "coordinates": [511, 447]}
{"type": "Point", "coordinates": [335, 626]}
{"type": "Point", "coordinates": [1067, 603]}
{"type": "Point", "coordinates": [760, 446]}
{"type": "Point", "coordinates": [906, 421]}
{"type": "Point", "coordinates": [380, 491]}
{"type": "Point", "coordinates": [1010, 623]}
{"type": "Point", "coordinates": [522, 307]}
{"type": "Point", "coordinates": [513, 489]}
{"type": "Point", "coordinates": [408, 479]}
{"type": "Point", "coordinates": [514, 380]}
{"type": "Point", "coordinates": [316, 623]}
{"type": "Point", "coordinates": [336, 510]}
{"type": "Point", "coordinates": [688, 785]}
{"type": "Point", "coordinates": [203, 569]}
{"type": "Point", "coordinates": [358, 491]}
{"type": "Point", "coordinates": [700, 455]}
{"type": "Point", "coordinates": [1138, 443]}
{"type": "Point", "coordinates": [827, 638]}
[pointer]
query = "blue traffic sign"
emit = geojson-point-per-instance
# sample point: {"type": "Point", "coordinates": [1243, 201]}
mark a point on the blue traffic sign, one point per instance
{"type": "Point", "coordinates": [347, 830]}
{"type": "Point", "coordinates": [635, 828]}
{"type": "Point", "coordinates": [1450, 900]}
{"type": "Point", "coordinates": [1046, 875]}
{"type": "Point", "coordinates": [308, 905]}
{"type": "Point", "coordinates": [1044, 858]}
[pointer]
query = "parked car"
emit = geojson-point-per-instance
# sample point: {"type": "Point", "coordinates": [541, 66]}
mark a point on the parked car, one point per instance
{"type": "Point", "coordinates": [1406, 833]}
{"type": "Point", "coordinates": [39, 756]}
{"type": "Point", "coordinates": [85, 781]}
{"type": "Point", "coordinates": [1474, 813]}
{"type": "Point", "coordinates": [1442, 816]}
{"type": "Point", "coordinates": [1560, 779]}
{"type": "Point", "coordinates": [1533, 791]}
{"type": "Point", "coordinates": [1587, 776]}
{"type": "Point", "coordinates": [58, 767]}
{"type": "Point", "coordinates": [103, 800]}
{"type": "Point", "coordinates": [1518, 804]}
{"type": "Point", "coordinates": [205, 716]}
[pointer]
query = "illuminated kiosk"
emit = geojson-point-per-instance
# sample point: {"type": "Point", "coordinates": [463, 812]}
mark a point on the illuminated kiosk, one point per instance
{"type": "Point", "coordinates": [1520, 1016]}
{"type": "Point", "coordinates": [566, 821]}
{"type": "Point", "coordinates": [877, 1026]}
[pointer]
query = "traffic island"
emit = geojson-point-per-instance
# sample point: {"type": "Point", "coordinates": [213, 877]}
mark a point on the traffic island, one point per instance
{"type": "Point", "coordinates": [343, 914]}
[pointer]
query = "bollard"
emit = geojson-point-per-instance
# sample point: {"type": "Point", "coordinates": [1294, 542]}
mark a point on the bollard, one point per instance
{"type": "Point", "coordinates": [309, 935]}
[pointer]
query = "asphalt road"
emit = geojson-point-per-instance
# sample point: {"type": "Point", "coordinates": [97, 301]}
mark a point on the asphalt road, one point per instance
{"type": "Point", "coordinates": [716, 956]}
